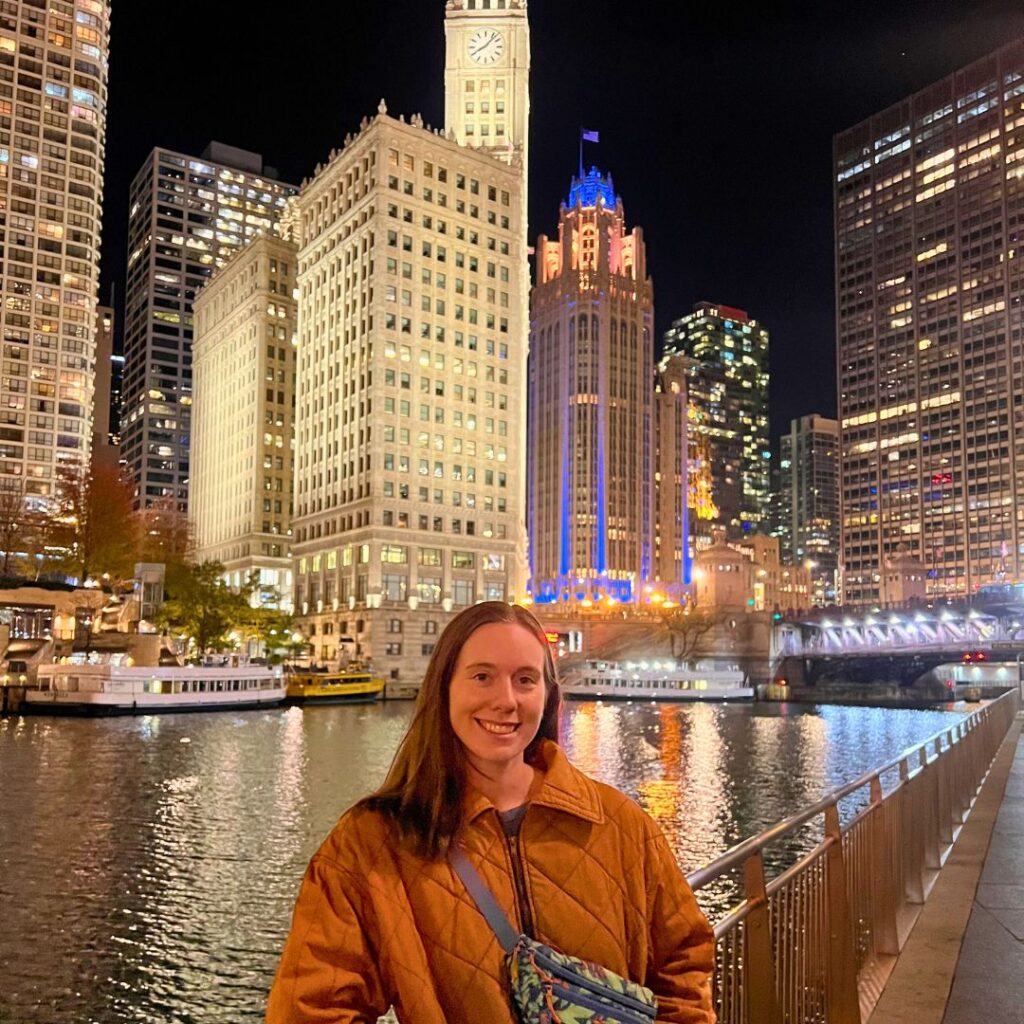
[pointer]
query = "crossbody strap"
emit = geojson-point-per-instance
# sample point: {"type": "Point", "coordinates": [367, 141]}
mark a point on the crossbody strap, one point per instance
{"type": "Point", "coordinates": [484, 900]}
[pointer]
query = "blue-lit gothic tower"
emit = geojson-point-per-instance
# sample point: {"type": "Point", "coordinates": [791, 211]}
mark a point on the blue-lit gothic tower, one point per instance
{"type": "Point", "coordinates": [589, 451]}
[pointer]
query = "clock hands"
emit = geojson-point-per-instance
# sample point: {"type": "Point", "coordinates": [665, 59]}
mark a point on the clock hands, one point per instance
{"type": "Point", "coordinates": [485, 46]}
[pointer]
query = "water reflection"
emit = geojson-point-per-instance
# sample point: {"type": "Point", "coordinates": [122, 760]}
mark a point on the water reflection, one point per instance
{"type": "Point", "coordinates": [148, 866]}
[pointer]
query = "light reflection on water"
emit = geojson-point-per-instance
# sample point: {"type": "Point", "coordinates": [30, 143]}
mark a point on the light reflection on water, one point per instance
{"type": "Point", "coordinates": [148, 866]}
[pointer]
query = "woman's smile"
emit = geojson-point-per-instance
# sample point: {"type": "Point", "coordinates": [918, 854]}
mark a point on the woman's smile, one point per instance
{"type": "Point", "coordinates": [497, 728]}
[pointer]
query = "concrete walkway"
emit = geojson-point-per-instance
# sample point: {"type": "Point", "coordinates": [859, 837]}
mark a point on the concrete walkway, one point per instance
{"type": "Point", "coordinates": [950, 960]}
{"type": "Point", "coordinates": [988, 983]}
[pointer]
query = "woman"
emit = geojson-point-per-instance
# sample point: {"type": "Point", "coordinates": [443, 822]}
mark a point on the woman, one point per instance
{"type": "Point", "coordinates": [383, 919]}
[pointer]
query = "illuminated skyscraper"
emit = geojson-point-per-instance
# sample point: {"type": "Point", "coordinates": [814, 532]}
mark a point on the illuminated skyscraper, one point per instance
{"type": "Point", "coordinates": [929, 202]}
{"type": "Point", "coordinates": [187, 217]}
{"type": "Point", "coordinates": [672, 554]}
{"type": "Point", "coordinates": [809, 481]}
{"type": "Point", "coordinates": [53, 95]}
{"type": "Point", "coordinates": [734, 350]}
{"type": "Point", "coordinates": [240, 500]}
{"type": "Point", "coordinates": [411, 381]}
{"type": "Point", "coordinates": [591, 392]}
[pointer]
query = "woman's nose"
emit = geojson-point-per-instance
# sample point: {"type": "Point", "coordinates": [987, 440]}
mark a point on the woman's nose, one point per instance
{"type": "Point", "coordinates": [504, 694]}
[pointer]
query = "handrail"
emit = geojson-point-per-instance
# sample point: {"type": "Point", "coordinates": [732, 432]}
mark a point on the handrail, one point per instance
{"type": "Point", "coordinates": [818, 941]}
{"type": "Point", "coordinates": [735, 856]}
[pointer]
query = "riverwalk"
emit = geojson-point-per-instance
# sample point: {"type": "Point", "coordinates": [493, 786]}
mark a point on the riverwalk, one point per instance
{"type": "Point", "coordinates": [964, 960]}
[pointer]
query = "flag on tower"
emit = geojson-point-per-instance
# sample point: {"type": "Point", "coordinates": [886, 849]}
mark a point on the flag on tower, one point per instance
{"type": "Point", "coordinates": [589, 136]}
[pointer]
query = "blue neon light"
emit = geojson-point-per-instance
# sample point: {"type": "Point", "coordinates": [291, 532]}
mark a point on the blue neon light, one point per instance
{"type": "Point", "coordinates": [602, 511]}
{"type": "Point", "coordinates": [564, 553]}
{"type": "Point", "coordinates": [687, 557]}
{"type": "Point", "coordinates": [591, 188]}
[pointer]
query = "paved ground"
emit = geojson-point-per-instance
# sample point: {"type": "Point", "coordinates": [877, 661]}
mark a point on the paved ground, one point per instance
{"type": "Point", "coordinates": [940, 955]}
{"type": "Point", "coordinates": [988, 983]}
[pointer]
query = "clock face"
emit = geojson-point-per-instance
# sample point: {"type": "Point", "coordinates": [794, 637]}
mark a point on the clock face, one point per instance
{"type": "Point", "coordinates": [486, 45]}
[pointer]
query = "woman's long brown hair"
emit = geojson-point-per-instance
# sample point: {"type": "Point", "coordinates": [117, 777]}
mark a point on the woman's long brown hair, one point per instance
{"type": "Point", "coordinates": [423, 791]}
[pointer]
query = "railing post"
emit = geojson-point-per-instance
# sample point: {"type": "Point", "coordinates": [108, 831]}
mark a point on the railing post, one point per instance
{"type": "Point", "coordinates": [948, 776]}
{"type": "Point", "coordinates": [912, 882]}
{"type": "Point", "coordinates": [883, 928]}
{"type": "Point", "coordinates": [843, 998]}
{"type": "Point", "coordinates": [759, 959]}
{"type": "Point", "coordinates": [962, 768]}
{"type": "Point", "coordinates": [930, 805]}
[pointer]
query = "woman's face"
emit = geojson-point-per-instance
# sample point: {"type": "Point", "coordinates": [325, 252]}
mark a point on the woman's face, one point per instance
{"type": "Point", "coordinates": [497, 693]}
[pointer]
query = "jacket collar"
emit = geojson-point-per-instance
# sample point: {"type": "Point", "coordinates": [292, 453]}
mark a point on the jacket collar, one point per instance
{"type": "Point", "coordinates": [558, 786]}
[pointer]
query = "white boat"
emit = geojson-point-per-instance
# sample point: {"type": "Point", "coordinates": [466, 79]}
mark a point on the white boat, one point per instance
{"type": "Point", "coordinates": [654, 680]}
{"type": "Point", "coordinates": [147, 689]}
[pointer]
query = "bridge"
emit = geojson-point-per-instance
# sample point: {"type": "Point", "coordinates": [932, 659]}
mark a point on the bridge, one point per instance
{"type": "Point", "coordinates": [935, 626]}
{"type": "Point", "coordinates": [922, 653]}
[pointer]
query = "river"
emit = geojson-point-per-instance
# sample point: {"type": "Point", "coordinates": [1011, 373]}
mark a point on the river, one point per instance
{"type": "Point", "coordinates": [148, 866]}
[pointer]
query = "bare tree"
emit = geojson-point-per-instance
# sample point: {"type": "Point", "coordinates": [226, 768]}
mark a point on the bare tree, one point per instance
{"type": "Point", "coordinates": [690, 630]}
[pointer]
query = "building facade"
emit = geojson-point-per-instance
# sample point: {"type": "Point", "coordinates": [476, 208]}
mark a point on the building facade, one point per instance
{"type": "Point", "coordinates": [411, 381]}
{"type": "Point", "coordinates": [590, 404]}
{"type": "Point", "coordinates": [734, 350]}
{"type": "Point", "coordinates": [105, 448]}
{"type": "Point", "coordinates": [188, 216]}
{"type": "Point", "coordinates": [53, 98]}
{"type": "Point", "coordinates": [104, 375]}
{"type": "Point", "coordinates": [748, 575]}
{"type": "Point", "coordinates": [929, 198]}
{"type": "Point", "coordinates": [809, 501]}
{"type": "Point", "coordinates": [243, 441]}
{"type": "Point", "coordinates": [672, 554]}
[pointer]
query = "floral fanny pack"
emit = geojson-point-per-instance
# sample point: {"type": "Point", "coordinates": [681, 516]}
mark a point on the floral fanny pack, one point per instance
{"type": "Point", "coordinates": [549, 987]}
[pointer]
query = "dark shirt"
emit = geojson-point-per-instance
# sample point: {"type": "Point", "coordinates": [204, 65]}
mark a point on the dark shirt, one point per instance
{"type": "Point", "coordinates": [511, 820]}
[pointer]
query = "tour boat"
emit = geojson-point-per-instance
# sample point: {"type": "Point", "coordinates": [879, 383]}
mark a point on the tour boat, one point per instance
{"type": "Point", "coordinates": [108, 689]}
{"type": "Point", "coordinates": [654, 680]}
{"type": "Point", "coordinates": [352, 686]}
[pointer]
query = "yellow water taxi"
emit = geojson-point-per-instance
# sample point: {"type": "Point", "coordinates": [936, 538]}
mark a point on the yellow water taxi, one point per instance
{"type": "Point", "coordinates": [352, 686]}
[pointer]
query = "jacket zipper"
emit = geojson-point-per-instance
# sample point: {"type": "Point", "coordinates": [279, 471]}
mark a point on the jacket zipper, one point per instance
{"type": "Point", "coordinates": [519, 878]}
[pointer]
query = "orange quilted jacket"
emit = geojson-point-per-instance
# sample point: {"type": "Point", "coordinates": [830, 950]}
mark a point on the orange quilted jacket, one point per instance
{"type": "Point", "coordinates": [375, 925]}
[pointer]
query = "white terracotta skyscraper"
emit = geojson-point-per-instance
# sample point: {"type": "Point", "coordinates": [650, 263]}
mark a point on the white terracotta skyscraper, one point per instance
{"type": "Point", "coordinates": [411, 379]}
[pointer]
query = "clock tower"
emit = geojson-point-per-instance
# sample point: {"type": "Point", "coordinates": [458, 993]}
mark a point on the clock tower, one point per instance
{"type": "Point", "coordinates": [487, 76]}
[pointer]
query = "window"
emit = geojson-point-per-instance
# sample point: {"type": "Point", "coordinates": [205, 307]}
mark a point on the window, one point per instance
{"type": "Point", "coordinates": [394, 586]}
{"type": "Point", "coordinates": [463, 560]}
{"type": "Point", "coordinates": [396, 554]}
{"type": "Point", "coordinates": [393, 649]}
{"type": "Point", "coordinates": [430, 556]}
{"type": "Point", "coordinates": [394, 626]}
{"type": "Point", "coordinates": [428, 589]}
{"type": "Point", "coordinates": [462, 592]}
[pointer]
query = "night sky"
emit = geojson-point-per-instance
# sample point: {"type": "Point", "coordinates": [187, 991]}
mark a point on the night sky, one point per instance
{"type": "Point", "coordinates": [716, 122]}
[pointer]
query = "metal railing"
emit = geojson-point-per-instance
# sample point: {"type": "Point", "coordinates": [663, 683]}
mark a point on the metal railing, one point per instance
{"type": "Point", "coordinates": [817, 942]}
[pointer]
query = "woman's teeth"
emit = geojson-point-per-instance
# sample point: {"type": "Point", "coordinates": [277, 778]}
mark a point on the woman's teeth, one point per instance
{"type": "Point", "coordinates": [500, 729]}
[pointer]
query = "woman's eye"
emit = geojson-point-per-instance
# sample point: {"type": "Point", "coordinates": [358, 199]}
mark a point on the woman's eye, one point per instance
{"type": "Point", "coordinates": [480, 677]}
{"type": "Point", "coordinates": [527, 680]}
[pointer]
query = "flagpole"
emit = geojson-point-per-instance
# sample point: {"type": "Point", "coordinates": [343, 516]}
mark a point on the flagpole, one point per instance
{"type": "Point", "coordinates": [581, 152]}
